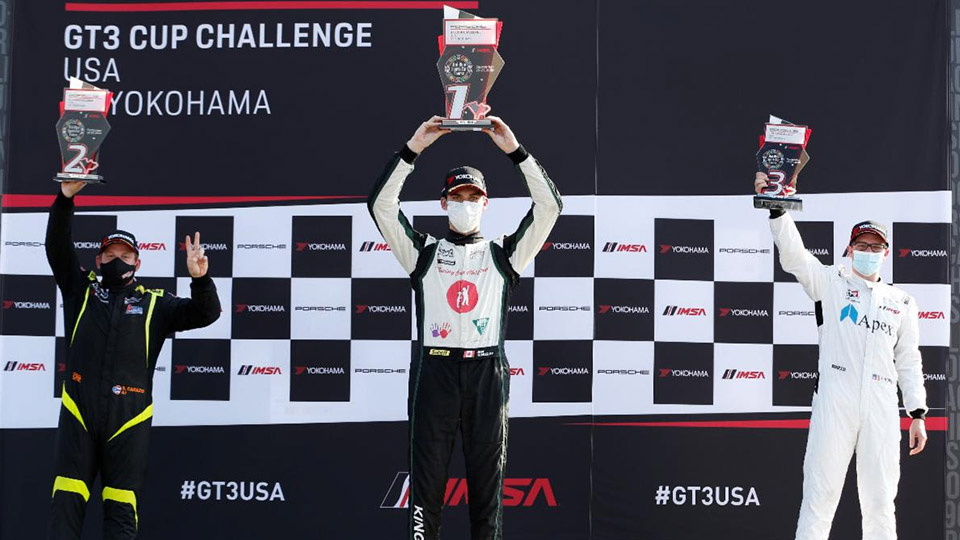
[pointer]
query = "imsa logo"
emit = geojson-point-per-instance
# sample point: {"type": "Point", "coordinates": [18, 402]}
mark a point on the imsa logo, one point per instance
{"type": "Point", "coordinates": [517, 492]}
{"type": "Point", "coordinates": [259, 370]}
{"type": "Point", "coordinates": [672, 311]}
{"type": "Point", "coordinates": [740, 374]}
{"type": "Point", "coordinates": [21, 366]}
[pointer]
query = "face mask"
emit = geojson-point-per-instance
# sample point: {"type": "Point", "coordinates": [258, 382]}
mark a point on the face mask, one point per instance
{"type": "Point", "coordinates": [867, 263]}
{"type": "Point", "coordinates": [465, 215]}
{"type": "Point", "coordinates": [116, 273]}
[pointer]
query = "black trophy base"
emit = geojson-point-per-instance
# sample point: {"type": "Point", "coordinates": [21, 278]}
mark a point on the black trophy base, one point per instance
{"type": "Point", "coordinates": [74, 177]}
{"type": "Point", "coordinates": [773, 201]}
{"type": "Point", "coordinates": [465, 125]}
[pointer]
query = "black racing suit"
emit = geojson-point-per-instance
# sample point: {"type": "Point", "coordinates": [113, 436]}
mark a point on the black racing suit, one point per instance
{"type": "Point", "coordinates": [113, 340]}
{"type": "Point", "coordinates": [461, 378]}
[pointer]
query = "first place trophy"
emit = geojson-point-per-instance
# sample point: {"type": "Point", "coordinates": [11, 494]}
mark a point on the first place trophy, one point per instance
{"type": "Point", "coordinates": [783, 153]}
{"type": "Point", "coordinates": [81, 129]}
{"type": "Point", "coordinates": [468, 66]}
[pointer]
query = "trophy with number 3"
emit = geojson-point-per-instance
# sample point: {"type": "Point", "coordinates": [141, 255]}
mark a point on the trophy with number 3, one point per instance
{"type": "Point", "coordinates": [468, 66]}
{"type": "Point", "coordinates": [81, 129]}
{"type": "Point", "coordinates": [783, 153]}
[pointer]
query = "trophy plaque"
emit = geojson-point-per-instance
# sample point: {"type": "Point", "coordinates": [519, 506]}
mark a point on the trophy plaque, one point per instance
{"type": "Point", "coordinates": [469, 65]}
{"type": "Point", "coordinates": [81, 130]}
{"type": "Point", "coordinates": [783, 153]}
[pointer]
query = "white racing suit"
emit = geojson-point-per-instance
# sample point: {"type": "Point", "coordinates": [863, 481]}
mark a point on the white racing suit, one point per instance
{"type": "Point", "coordinates": [868, 345]}
{"type": "Point", "coordinates": [460, 380]}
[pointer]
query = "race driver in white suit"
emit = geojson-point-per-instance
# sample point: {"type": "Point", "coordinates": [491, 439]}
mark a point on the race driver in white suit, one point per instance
{"type": "Point", "coordinates": [868, 346]}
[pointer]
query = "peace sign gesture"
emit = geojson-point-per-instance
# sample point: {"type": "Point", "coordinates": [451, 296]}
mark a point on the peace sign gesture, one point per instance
{"type": "Point", "coordinates": [196, 260]}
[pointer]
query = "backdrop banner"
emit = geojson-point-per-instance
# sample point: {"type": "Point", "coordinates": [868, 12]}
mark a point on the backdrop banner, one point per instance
{"type": "Point", "coordinates": [662, 364]}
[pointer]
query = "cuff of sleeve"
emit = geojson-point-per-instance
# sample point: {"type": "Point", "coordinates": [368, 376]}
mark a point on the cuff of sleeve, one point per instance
{"type": "Point", "coordinates": [518, 155]}
{"type": "Point", "coordinates": [918, 413]}
{"type": "Point", "coordinates": [777, 212]}
{"type": "Point", "coordinates": [202, 281]}
{"type": "Point", "coordinates": [408, 155]}
{"type": "Point", "coordinates": [63, 200]}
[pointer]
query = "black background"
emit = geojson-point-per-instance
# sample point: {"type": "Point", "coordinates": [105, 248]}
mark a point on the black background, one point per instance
{"type": "Point", "coordinates": [653, 97]}
{"type": "Point", "coordinates": [321, 230]}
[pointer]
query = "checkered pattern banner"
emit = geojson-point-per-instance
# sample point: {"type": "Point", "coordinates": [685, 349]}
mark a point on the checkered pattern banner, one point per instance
{"type": "Point", "coordinates": [635, 305]}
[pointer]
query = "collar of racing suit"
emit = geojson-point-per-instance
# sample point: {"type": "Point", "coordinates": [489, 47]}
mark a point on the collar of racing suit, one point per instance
{"type": "Point", "coordinates": [125, 288]}
{"type": "Point", "coordinates": [461, 239]}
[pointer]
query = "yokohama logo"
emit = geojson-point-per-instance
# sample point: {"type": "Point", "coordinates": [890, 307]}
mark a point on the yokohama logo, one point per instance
{"type": "Point", "coordinates": [819, 251]}
{"type": "Point", "coordinates": [152, 246]}
{"type": "Point", "coordinates": [374, 246]}
{"type": "Point", "coordinates": [671, 311]}
{"type": "Point", "coordinates": [566, 246]}
{"type": "Point", "coordinates": [259, 370]}
{"type": "Point", "coordinates": [260, 308]}
{"type": "Point", "coordinates": [309, 246]}
{"type": "Point", "coordinates": [724, 312]}
{"type": "Point", "coordinates": [615, 247]}
{"type": "Point", "coordinates": [86, 245]}
{"type": "Point", "coordinates": [665, 372]}
{"type": "Point", "coordinates": [7, 304]}
{"type": "Point", "coordinates": [932, 315]}
{"type": "Point", "coordinates": [522, 492]}
{"type": "Point", "coordinates": [314, 370]}
{"type": "Point", "coordinates": [739, 374]}
{"type": "Point", "coordinates": [181, 368]}
{"type": "Point", "coordinates": [797, 375]}
{"type": "Point", "coordinates": [934, 376]}
{"type": "Point", "coordinates": [206, 247]}
{"type": "Point", "coordinates": [518, 309]}
{"type": "Point", "coordinates": [20, 366]}
{"type": "Point", "coordinates": [380, 309]}
{"type": "Point", "coordinates": [700, 250]}
{"type": "Point", "coordinates": [922, 253]}
{"type": "Point", "coordinates": [623, 309]}
{"type": "Point", "coordinates": [562, 371]}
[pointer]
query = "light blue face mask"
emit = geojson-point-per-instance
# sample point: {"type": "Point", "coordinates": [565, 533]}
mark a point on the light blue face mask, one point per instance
{"type": "Point", "coordinates": [867, 263]}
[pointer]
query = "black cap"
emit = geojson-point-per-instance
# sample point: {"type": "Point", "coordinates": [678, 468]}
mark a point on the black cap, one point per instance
{"type": "Point", "coordinates": [869, 227]}
{"type": "Point", "coordinates": [120, 237]}
{"type": "Point", "coordinates": [463, 176]}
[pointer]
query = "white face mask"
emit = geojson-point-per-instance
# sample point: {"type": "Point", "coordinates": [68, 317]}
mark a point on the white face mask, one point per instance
{"type": "Point", "coordinates": [465, 215]}
{"type": "Point", "coordinates": [867, 263]}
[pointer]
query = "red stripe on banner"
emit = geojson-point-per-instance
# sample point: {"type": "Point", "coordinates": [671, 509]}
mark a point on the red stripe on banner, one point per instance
{"type": "Point", "coordinates": [41, 201]}
{"type": "Point", "coordinates": [265, 5]}
{"type": "Point", "coordinates": [937, 423]}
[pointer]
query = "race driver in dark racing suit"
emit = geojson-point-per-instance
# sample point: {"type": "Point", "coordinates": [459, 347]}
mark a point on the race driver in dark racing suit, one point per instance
{"type": "Point", "coordinates": [461, 378]}
{"type": "Point", "coordinates": [114, 330]}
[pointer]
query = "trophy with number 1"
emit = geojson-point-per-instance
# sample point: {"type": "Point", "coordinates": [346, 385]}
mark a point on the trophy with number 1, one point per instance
{"type": "Point", "coordinates": [468, 66]}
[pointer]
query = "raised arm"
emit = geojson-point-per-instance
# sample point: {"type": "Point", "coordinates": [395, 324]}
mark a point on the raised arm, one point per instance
{"type": "Point", "coordinates": [203, 306]}
{"type": "Point", "coordinates": [794, 257]}
{"type": "Point", "coordinates": [384, 200]}
{"type": "Point", "coordinates": [524, 244]}
{"type": "Point", "coordinates": [70, 276]}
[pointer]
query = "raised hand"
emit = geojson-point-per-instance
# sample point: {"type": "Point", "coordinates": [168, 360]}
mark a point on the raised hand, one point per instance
{"type": "Point", "coordinates": [502, 135]}
{"type": "Point", "coordinates": [426, 134]}
{"type": "Point", "coordinates": [69, 189]}
{"type": "Point", "coordinates": [196, 260]}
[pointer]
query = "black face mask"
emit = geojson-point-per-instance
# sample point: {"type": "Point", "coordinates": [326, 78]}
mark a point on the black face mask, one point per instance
{"type": "Point", "coordinates": [113, 273]}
